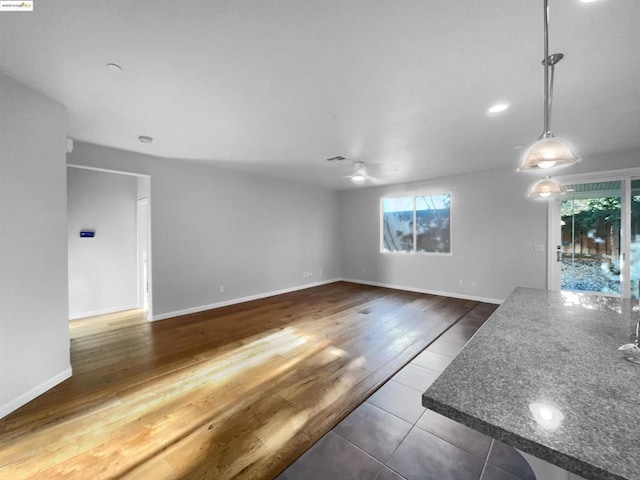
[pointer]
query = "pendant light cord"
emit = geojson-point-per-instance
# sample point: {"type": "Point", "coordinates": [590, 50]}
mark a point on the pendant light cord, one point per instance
{"type": "Point", "coordinates": [550, 102]}
{"type": "Point", "coordinates": [549, 151]}
{"type": "Point", "coordinates": [547, 97]}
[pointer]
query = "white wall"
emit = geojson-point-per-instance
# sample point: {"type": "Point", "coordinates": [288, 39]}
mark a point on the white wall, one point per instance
{"type": "Point", "coordinates": [493, 230]}
{"type": "Point", "coordinates": [34, 336]}
{"type": "Point", "coordinates": [103, 272]}
{"type": "Point", "coordinates": [212, 227]}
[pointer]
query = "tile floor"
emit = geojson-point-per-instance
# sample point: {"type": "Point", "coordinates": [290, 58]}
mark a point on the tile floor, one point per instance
{"type": "Point", "coordinates": [392, 437]}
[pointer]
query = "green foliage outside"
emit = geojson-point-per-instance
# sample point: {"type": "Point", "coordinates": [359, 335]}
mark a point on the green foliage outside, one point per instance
{"type": "Point", "coordinates": [590, 217]}
{"type": "Point", "coordinates": [595, 211]}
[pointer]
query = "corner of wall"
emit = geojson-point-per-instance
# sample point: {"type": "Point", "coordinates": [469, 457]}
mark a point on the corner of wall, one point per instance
{"type": "Point", "coordinates": [36, 391]}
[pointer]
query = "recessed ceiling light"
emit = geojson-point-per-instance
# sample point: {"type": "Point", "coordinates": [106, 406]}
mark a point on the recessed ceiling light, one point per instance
{"type": "Point", "coordinates": [145, 139]}
{"type": "Point", "coordinates": [588, 1]}
{"type": "Point", "coordinates": [114, 67]}
{"type": "Point", "coordinates": [498, 108]}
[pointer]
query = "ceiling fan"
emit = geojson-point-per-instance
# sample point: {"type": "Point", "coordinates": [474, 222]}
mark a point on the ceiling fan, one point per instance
{"type": "Point", "coordinates": [359, 174]}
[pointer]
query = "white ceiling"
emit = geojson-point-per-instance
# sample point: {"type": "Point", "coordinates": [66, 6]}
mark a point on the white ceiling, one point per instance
{"type": "Point", "coordinates": [277, 86]}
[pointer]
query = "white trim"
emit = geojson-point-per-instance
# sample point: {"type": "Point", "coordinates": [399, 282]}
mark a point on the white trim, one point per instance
{"type": "Point", "coordinates": [107, 170]}
{"type": "Point", "coordinates": [202, 308]}
{"type": "Point", "coordinates": [415, 232]}
{"type": "Point", "coordinates": [591, 177]}
{"type": "Point", "coordinates": [104, 311]}
{"type": "Point", "coordinates": [625, 235]}
{"type": "Point", "coordinates": [423, 290]}
{"type": "Point", "coordinates": [553, 241]}
{"type": "Point", "coordinates": [235, 301]}
{"type": "Point", "coordinates": [25, 398]}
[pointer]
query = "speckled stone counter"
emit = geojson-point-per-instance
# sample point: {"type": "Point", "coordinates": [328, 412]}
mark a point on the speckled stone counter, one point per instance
{"type": "Point", "coordinates": [544, 374]}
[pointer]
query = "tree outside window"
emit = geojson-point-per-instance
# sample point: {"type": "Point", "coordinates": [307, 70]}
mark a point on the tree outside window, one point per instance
{"type": "Point", "coordinates": [417, 224]}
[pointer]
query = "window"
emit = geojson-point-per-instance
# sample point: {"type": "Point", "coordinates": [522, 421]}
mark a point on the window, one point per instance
{"type": "Point", "coordinates": [417, 224]}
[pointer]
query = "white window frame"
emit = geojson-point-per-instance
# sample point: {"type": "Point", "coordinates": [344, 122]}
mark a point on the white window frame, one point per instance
{"type": "Point", "coordinates": [415, 233]}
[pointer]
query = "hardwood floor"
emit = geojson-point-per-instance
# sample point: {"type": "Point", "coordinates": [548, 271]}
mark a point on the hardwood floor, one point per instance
{"type": "Point", "coordinates": [236, 392]}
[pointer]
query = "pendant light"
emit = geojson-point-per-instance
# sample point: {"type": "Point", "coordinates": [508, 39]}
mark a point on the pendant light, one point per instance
{"type": "Point", "coordinates": [546, 188]}
{"type": "Point", "coordinates": [549, 151]}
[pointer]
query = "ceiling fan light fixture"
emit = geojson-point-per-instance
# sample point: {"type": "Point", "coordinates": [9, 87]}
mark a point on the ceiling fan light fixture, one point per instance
{"type": "Point", "coordinates": [546, 188]}
{"type": "Point", "coordinates": [548, 152]}
{"type": "Point", "coordinates": [358, 175]}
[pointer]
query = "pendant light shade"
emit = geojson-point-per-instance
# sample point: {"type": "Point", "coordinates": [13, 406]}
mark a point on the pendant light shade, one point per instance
{"type": "Point", "coordinates": [545, 188]}
{"type": "Point", "coordinates": [548, 152]}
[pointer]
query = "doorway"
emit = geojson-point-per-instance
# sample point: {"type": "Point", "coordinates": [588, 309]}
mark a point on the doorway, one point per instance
{"type": "Point", "coordinates": [109, 242]}
{"type": "Point", "coordinates": [594, 232]}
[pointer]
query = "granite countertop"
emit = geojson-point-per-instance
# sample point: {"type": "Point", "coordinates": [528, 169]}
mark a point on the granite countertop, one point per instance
{"type": "Point", "coordinates": [544, 374]}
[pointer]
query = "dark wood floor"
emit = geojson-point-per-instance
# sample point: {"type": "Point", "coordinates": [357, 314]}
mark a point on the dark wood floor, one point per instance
{"type": "Point", "coordinates": [236, 392]}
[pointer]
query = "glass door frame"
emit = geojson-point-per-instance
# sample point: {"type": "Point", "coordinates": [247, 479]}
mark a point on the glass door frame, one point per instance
{"type": "Point", "coordinates": [625, 176]}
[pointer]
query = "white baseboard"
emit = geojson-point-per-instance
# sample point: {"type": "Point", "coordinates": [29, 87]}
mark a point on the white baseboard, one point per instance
{"type": "Point", "coordinates": [422, 290]}
{"type": "Point", "coordinates": [202, 308]}
{"type": "Point", "coordinates": [25, 398]}
{"type": "Point", "coordinates": [104, 311]}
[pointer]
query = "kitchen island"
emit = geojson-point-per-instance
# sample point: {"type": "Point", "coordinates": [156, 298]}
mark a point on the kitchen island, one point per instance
{"type": "Point", "coordinates": [544, 375]}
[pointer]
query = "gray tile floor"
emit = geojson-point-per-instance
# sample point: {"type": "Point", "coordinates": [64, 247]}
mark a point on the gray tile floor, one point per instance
{"type": "Point", "coordinates": [392, 437]}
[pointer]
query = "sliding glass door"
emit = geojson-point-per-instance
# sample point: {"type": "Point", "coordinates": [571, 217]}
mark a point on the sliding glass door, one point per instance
{"type": "Point", "coordinates": [590, 238]}
{"type": "Point", "coordinates": [595, 237]}
{"type": "Point", "coordinates": [634, 240]}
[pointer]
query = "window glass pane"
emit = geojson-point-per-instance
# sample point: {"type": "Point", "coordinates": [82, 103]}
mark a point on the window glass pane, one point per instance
{"type": "Point", "coordinates": [433, 223]}
{"type": "Point", "coordinates": [397, 224]}
{"type": "Point", "coordinates": [591, 238]}
{"type": "Point", "coordinates": [635, 239]}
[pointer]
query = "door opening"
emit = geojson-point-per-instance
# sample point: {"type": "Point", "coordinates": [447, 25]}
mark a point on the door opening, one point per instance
{"type": "Point", "coordinates": [112, 271]}
{"type": "Point", "coordinates": [594, 235]}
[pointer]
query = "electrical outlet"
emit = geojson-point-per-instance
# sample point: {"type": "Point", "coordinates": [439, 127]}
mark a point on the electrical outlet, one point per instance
{"type": "Point", "coordinates": [221, 288]}
{"type": "Point", "coordinates": [474, 283]}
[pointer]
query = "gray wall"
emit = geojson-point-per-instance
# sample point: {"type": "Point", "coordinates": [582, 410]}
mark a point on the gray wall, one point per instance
{"type": "Point", "coordinates": [34, 334]}
{"type": "Point", "coordinates": [494, 230]}
{"type": "Point", "coordinates": [494, 227]}
{"type": "Point", "coordinates": [212, 227]}
{"type": "Point", "coordinates": [103, 273]}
